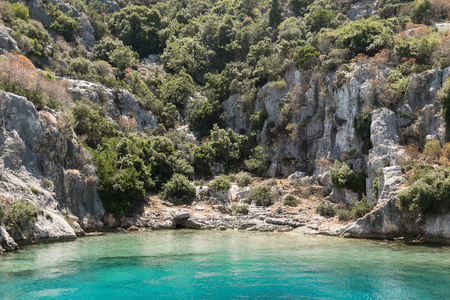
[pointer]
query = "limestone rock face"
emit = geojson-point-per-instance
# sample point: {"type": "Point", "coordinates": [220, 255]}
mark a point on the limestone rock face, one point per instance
{"type": "Point", "coordinates": [120, 104]}
{"type": "Point", "coordinates": [39, 165]}
{"type": "Point", "coordinates": [6, 242]}
{"type": "Point", "coordinates": [363, 9]}
{"type": "Point", "coordinates": [7, 43]}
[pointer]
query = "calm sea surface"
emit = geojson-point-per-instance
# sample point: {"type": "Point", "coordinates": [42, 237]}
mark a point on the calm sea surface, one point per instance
{"type": "Point", "coordinates": [186, 264]}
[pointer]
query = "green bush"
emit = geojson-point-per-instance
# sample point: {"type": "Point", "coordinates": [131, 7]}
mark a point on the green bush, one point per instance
{"type": "Point", "coordinates": [202, 114]}
{"type": "Point", "coordinates": [116, 53]}
{"type": "Point", "coordinates": [444, 99]}
{"type": "Point", "coordinates": [258, 161]}
{"type": "Point", "coordinates": [422, 12]}
{"type": "Point", "coordinates": [326, 209]}
{"type": "Point", "coordinates": [241, 209]}
{"type": "Point", "coordinates": [10, 12]}
{"type": "Point", "coordinates": [20, 213]}
{"type": "Point", "coordinates": [433, 150]}
{"type": "Point", "coordinates": [244, 181]}
{"type": "Point", "coordinates": [31, 37]}
{"type": "Point", "coordinates": [137, 26]}
{"type": "Point", "coordinates": [429, 193]}
{"type": "Point", "coordinates": [368, 36]}
{"type": "Point", "coordinates": [261, 196]}
{"type": "Point", "coordinates": [291, 200]}
{"type": "Point", "coordinates": [221, 183]}
{"type": "Point", "coordinates": [179, 190]}
{"type": "Point", "coordinates": [91, 122]}
{"type": "Point", "coordinates": [63, 23]}
{"type": "Point", "coordinates": [306, 57]}
{"type": "Point", "coordinates": [177, 89]}
{"type": "Point", "coordinates": [259, 119]}
{"type": "Point", "coordinates": [320, 18]}
{"type": "Point", "coordinates": [421, 49]}
{"type": "Point", "coordinates": [343, 177]}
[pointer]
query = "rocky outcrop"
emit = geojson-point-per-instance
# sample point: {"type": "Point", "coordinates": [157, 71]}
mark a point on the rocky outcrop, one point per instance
{"type": "Point", "coordinates": [6, 242]}
{"type": "Point", "coordinates": [118, 103]}
{"type": "Point", "coordinates": [363, 9]}
{"type": "Point", "coordinates": [39, 165]}
{"type": "Point", "coordinates": [7, 43]}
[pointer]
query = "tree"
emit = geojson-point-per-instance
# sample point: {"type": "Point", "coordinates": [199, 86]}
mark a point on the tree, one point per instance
{"type": "Point", "coordinates": [275, 17]}
{"type": "Point", "coordinates": [422, 12]}
{"type": "Point", "coordinates": [320, 18]}
{"type": "Point", "coordinates": [137, 26]}
{"type": "Point", "coordinates": [63, 23]}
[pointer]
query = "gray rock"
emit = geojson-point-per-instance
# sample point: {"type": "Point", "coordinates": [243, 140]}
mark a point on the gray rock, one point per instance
{"type": "Point", "coordinates": [7, 43]}
{"type": "Point", "coordinates": [362, 9]}
{"type": "Point", "coordinates": [6, 242]}
{"type": "Point", "coordinates": [87, 33]}
{"type": "Point", "coordinates": [181, 215]}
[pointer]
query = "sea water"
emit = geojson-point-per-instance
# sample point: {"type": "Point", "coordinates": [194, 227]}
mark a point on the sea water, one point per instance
{"type": "Point", "coordinates": [185, 264]}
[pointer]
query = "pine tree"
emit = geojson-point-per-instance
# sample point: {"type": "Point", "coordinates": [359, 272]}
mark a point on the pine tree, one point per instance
{"type": "Point", "coordinates": [275, 14]}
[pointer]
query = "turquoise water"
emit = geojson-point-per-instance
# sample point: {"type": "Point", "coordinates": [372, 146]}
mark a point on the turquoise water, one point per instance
{"type": "Point", "coordinates": [225, 265]}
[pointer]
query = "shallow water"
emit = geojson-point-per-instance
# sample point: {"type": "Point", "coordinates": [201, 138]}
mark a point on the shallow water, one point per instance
{"type": "Point", "coordinates": [184, 264]}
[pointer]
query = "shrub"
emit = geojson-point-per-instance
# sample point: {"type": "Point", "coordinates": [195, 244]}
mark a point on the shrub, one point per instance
{"type": "Point", "coordinates": [326, 209]}
{"type": "Point", "coordinates": [10, 12]}
{"type": "Point", "coordinates": [446, 150]}
{"type": "Point", "coordinates": [306, 57]}
{"type": "Point", "coordinates": [20, 214]}
{"type": "Point", "coordinates": [258, 161]}
{"type": "Point", "coordinates": [63, 23]}
{"type": "Point", "coordinates": [241, 209]}
{"type": "Point", "coordinates": [420, 49]}
{"type": "Point", "coordinates": [444, 99]}
{"type": "Point", "coordinates": [179, 190]}
{"type": "Point", "coordinates": [291, 200]}
{"type": "Point", "coordinates": [367, 36]}
{"type": "Point", "coordinates": [361, 208]}
{"type": "Point", "coordinates": [259, 119]}
{"type": "Point", "coordinates": [433, 150]}
{"type": "Point", "coordinates": [343, 177]}
{"type": "Point", "coordinates": [261, 196]}
{"type": "Point", "coordinates": [245, 180]}
{"type": "Point", "coordinates": [422, 12]}
{"type": "Point", "coordinates": [221, 183]}
{"type": "Point", "coordinates": [202, 114]}
{"type": "Point", "coordinates": [91, 121]}
{"type": "Point", "coordinates": [429, 192]}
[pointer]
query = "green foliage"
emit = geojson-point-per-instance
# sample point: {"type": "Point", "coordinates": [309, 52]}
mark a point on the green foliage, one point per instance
{"type": "Point", "coordinates": [221, 183]}
{"type": "Point", "coordinates": [443, 96]}
{"type": "Point", "coordinates": [241, 209]}
{"type": "Point", "coordinates": [422, 12]}
{"type": "Point", "coordinates": [291, 200]}
{"type": "Point", "coordinates": [116, 53]}
{"type": "Point", "coordinates": [186, 54]}
{"type": "Point", "coordinates": [35, 96]}
{"type": "Point", "coordinates": [258, 161]}
{"type": "Point", "coordinates": [358, 210]}
{"type": "Point", "coordinates": [420, 49]}
{"type": "Point", "coordinates": [20, 214]}
{"type": "Point", "coordinates": [299, 6]}
{"type": "Point", "coordinates": [306, 57]}
{"type": "Point", "coordinates": [275, 16]}
{"type": "Point", "coordinates": [63, 23]}
{"type": "Point", "coordinates": [326, 209]}
{"type": "Point", "coordinates": [91, 122]}
{"type": "Point", "coordinates": [320, 18]}
{"type": "Point", "coordinates": [244, 181]}
{"type": "Point", "coordinates": [227, 147]}
{"type": "Point", "coordinates": [261, 196]}
{"type": "Point", "coordinates": [202, 114]}
{"type": "Point", "coordinates": [429, 193]}
{"type": "Point", "coordinates": [179, 190]}
{"type": "Point", "coordinates": [177, 89]}
{"type": "Point", "coordinates": [123, 175]}
{"type": "Point", "coordinates": [31, 37]}
{"type": "Point", "coordinates": [10, 12]}
{"type": "Point", "coordinates": [367, 36]}
{"type": "Point", "coordinates": [343, 177]}
{"type": "Point", "coordinates": [137, 26]}
{"type": "Point", "coordinates": [433, 150]}
{"type": "Point", "coordinates": [259, 119]}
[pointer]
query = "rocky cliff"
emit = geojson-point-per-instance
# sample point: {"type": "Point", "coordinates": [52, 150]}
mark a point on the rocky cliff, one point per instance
{"type": "Point", "coordinates": [42, 166]}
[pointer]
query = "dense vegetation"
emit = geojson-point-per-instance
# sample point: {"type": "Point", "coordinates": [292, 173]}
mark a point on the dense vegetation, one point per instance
{"type": "Point", "coordinates": [210, 50]}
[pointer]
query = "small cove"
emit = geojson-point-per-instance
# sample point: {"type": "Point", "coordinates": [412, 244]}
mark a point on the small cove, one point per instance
{"type": "Point", "coordinates": [187, 264]}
